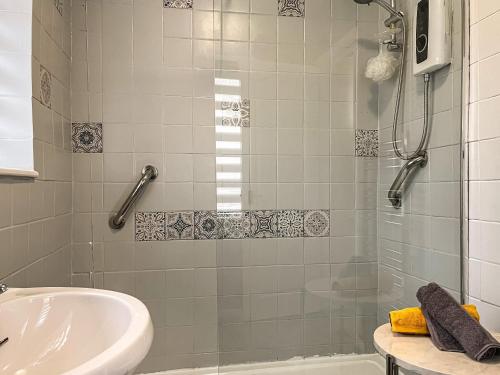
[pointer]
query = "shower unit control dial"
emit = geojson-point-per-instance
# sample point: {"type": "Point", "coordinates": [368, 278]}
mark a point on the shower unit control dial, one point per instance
{"type": "Point", "coordinates": [431, 36]}
{"type": "Point", "coordinates": [422, 32]}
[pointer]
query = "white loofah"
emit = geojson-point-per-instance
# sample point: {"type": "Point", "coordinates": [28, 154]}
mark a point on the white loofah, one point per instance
{"type": "Point", "coordinates": [381, 67]}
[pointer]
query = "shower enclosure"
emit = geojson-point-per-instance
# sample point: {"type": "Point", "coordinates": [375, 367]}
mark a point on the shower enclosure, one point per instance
{"type": "Point", "coordinates": [267, 234]}
{"type": "Point", "coordinates": [304, 281]}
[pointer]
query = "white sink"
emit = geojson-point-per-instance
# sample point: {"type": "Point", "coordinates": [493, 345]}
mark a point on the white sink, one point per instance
{"type": "Point", "coordinates": [56, 331]}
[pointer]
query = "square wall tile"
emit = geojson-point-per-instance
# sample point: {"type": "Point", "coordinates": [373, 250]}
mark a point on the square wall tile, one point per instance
{"type": "Point", "coordinates": [290, 30]}
{"type": "Point", "coordinates": [263, 7]}
{"type": "Point", "coordinates": [316, 223]}
{"type": "Point", "coordinates": [87, 137]}
{"type": "Point", "coordinates": [177, 23]}
{"type": "Point", "coordinates": [207, 225]}
{"type": "Point", "coordinates": [290, 223]}
{"type": "Point", "coordinates": [180, 225]}
{"type": "Point", "coordinates": [366, 143]}
{"type": "Point", "coordinates": [235, 225]}
{"type": "Point", "coordinates": [235, 27]}
{"type": "Point", "coordinates": [264, 224]}
{"type": "Point", "coordinates": [292, 8]}
{"type": "Point", "coordinates": [236, 113]}
{"type": "Point", "coordinates": [263, 28]}
{"type": "Point", "coordinates": [45, 87]}
{"type": "Point", "coordinates": [150, 226]}
{"type": "Point", "coordinates": [180, 4]}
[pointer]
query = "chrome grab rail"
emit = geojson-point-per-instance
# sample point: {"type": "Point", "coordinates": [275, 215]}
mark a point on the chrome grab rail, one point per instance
{"type": "Point", "coordinates": [395, 194]}
{"type": "Point", "coordinates": [117, 221]}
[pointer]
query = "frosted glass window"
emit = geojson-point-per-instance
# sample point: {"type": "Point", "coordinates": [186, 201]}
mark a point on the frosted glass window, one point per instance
{"type": "Point", "coordinates": [16, 114]}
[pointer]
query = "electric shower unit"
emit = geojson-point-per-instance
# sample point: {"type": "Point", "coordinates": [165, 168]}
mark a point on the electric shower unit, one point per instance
{"type": "Point", "coordinates": [432, 36]}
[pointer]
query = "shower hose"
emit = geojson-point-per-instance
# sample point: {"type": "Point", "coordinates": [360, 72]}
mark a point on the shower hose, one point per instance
{"type": "Point", "coordinates": [425, 132]}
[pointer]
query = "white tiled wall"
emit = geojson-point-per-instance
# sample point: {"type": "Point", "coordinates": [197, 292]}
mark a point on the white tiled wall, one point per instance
{"type": "Point", "coordinates": [290, 297]}
{"type": "Point", "coordinates": [484, 161]}
{"type": "Point", "coordinates": [420, 242]}
{"type": "Point", "coordinates": [148, 74]}
{"type": "Point", "coordinates": [132, 70]}
{"type": "Point", "coordinates": [35, 217]}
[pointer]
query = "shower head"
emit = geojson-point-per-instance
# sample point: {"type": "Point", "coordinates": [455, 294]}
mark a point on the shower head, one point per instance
{"type": "Point", "coordinates": [384, 4]}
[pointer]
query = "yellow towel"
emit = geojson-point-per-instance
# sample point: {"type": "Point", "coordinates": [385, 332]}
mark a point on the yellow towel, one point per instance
{"type": "Point", "coordinates": [412, 320]}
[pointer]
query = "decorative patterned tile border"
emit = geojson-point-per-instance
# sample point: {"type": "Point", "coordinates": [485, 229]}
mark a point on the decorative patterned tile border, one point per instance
{"type": "Point", "coordinates": [292, 8]}
{"type": "Point", "coordinates": [150, 226]}
{"type": "Point", "coordinates": [208, 225]}
{"type": "Point", "coordinates": [180, 4]}
{"type": "Point", "coordinates": [316, 223]}
{"type": "Point", "coordinates": [59, 6]}
{"type": "Point", "coordinates": [45, 87]}
{"type": "Point", "coordinates": [235, 225]}
{"type": "Point", "coordinates": [264, 224]}
{"type": "Point", "coordinates": [86, 137]}
{"type": "Point", "coordinates": [180, 225]}
{"type": "Point", "coordinates": [366, 143]}
{"type": "Point", "coordinates": [236, 113]}
{"type": "Point", "coordinates": [291, 223]}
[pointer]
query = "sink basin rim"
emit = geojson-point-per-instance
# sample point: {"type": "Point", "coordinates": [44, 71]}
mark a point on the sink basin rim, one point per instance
{"type": "Point", "coordinates": [123, 352]}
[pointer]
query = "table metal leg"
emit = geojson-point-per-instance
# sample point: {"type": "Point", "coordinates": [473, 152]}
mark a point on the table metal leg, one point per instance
{"type": "Point", "coordinates": [391, 367]}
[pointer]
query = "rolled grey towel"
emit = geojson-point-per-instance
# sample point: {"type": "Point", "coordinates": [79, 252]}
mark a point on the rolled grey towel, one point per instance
{"type": "Point", "coordinates": [441, 338]}
{"type": "Point", "coordinates": [445, 314]}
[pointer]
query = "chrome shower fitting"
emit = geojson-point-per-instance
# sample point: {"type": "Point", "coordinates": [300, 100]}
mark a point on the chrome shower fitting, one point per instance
{"type": "Point", "coordinates": [391, 8]}
{"type": "Point", "coordinates": [395, 16]}
{"type": "Point", "coordinates": [395, 194]}
{"type": "Point", "coordinates": [419, 156]}
{"type": "Point", "coordinates": [3, 288]}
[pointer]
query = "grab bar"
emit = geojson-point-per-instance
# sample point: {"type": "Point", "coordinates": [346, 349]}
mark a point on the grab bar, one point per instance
{"type": "Point", "coordinates": [395, 194]}
{"type": "Point", "coordinates": [117, 221]}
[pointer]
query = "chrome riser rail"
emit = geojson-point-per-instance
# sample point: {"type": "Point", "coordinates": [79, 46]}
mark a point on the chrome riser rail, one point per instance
{"type": "Point", "coordinates": [395, 194]}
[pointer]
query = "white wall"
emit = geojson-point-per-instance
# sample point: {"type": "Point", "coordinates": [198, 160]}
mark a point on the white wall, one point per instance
{"type": "Point", "coordinates": [484, 159]}
{"type": "Point", "coordinates": [35, 216]}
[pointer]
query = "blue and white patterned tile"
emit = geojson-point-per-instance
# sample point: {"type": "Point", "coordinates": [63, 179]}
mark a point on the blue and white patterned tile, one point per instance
{"type": "Point", "coordinates": [207, 225]}
{"type": "Point", "coordinates": [235, 225]}
{"type": "Point", "coordinates": [236, 113]}
{"type": "Point", "coordinates": [290, 223]}
{"type": "Point", "coordinates": [317, 223]}
{"type": "Point", "coordinates": [264, 224]}
{"type": "Point", "coordinates": [150, 226]}
{"type": "Point", "coordinates": [87, 137]}
{"type": "Point", "coordinates": [180, 225]}
{"type": "Point", "coordinates": [179, 4]}
{"type": "Point", "coordinates": [367, 144]}
{"type": "Point", "coordinates": [292, 8]}
{"type": "Point", "coordinates": [45, 87]}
